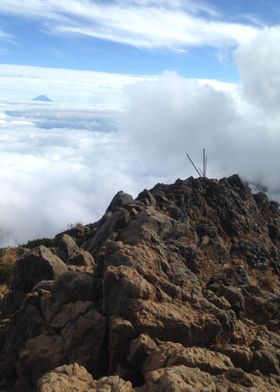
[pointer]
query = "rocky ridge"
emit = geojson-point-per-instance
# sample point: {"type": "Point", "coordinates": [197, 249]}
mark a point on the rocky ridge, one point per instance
{"type": "Point", "coordinates": [176, 290]}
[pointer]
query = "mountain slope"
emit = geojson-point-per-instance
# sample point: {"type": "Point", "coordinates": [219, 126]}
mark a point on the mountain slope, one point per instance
{"type": "Point", "coordinates": [42, 98]}
{"type": "Point", "coordinates": [175, 290]}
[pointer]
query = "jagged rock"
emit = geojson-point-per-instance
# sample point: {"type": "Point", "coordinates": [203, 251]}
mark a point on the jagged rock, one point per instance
{"type": "Point", "coordinates": [139, 350]}
{"type": "Point", "coordinates": [266, 362]}
{"type": "Point", "coordinates": [39, 264]}
{"type": "Point", "coordinates": [241, 357]}
{"type": "Point", "coordinates": [72, 286]}
{"type": "Point", "coordinates": [72, 378]}
{"type": "Point", "coordinates": [121, 199]}
{"type": "Point", "coordinates": [175, 290]}
{"type": "Point", "coordinates": [38, 356]}
{"type": "Point", "coordinates": [121, 333]}
{"type": "Point", "coordinates": [122, 284]}
{"type": "Point", "coordinates": [82, 328]}
{"type": "Point", "coordinates": [174, 354]}
{"type": "Point", "coordinates": [67, 378]}
{"type": "Point", "coordinates": [66, 246]}
{"type": "Point", "coordinates": [179, 378]}
{"type": "Point", "coordinates": [81, 257]}
{"type": "Point", "coordinates": [113, 384]}
{"type": "Point", "coordinates": [232, 294]}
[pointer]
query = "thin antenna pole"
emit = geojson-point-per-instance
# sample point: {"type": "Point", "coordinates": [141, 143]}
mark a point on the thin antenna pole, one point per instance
{"type": "Point", "coordinates": [196, 169]}
{"type": "Point", "coordinates": [204, 163]}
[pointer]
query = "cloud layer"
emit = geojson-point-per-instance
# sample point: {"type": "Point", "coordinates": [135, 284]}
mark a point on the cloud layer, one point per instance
{"type": "Point", "coordinates": [53, 174]}
{"type": "Point", "coordinates": [165, 24]}
{"type": "Point", "coordinates": [23, 83]}
{"type": "Point", "coordinates": [53, 177]}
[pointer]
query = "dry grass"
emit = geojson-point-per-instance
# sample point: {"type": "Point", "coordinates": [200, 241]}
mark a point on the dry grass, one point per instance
{"type": "Point", "coordinates": [220, 342]}
{"type": "Point", "coordinates": [253, 280]}
{"type": "Point", "coordinates": [4, 289]}
{"type": "Point", "coordinates": [8, 257]}
{"type": "Point", "coordinates": [267, 280]}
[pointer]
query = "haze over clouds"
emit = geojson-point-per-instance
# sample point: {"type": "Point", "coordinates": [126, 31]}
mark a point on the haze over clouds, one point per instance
{"type": "Point", "coordinates": [63, 85]}
{"type": "Point", "coordinates": [52, 177]}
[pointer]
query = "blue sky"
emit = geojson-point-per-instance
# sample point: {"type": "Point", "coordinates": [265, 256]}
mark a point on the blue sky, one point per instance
{"type": "Point", "coordinates": [194, 38]}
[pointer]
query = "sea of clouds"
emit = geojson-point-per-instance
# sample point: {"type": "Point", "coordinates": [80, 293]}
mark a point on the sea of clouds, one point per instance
{"type": "Point", "coordinates": [62, 162]}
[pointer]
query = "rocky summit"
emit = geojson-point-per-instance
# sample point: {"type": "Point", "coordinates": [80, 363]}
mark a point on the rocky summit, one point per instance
{"type": "Point", "coordinates": [176, 290]}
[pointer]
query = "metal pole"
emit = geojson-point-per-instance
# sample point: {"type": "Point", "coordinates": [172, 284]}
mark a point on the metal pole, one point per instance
{"type": "Point", "coordinates": [196, 169]}
{"type": "Point", "coordinates": [203, 159]}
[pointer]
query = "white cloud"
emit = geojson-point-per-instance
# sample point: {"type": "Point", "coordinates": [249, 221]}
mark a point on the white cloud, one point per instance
{"type": "Point", "coordinates": [54, 177]}
{"type": "Point", "coordinates": [140, 23]}
{"type": "Point", "coordinates": [51, 177]}
{"type": "Point", "coordinates": [172, 116]}
{"type": "Point", "coordinates": [4, 36]}
{"type": "Point", "coordinates": [62, 85]}
{"type": "Point", "coordinates": [258, 63]}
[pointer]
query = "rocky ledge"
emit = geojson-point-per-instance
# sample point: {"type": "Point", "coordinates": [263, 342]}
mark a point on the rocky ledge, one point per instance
{"type": "Point", "coordinates": [176, 290]}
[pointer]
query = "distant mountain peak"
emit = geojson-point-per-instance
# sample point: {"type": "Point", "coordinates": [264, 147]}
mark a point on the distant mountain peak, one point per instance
{"type": "Point", "coordinates": [42, 98]}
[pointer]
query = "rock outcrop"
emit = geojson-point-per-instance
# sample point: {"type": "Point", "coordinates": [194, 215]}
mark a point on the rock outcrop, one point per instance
{"type": "Point", "coordinates": [177, 290]}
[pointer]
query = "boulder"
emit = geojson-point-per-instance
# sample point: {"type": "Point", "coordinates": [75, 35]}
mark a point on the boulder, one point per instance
{"type": "Point", "coordinates": [67, 378]}
{"type": "Point", "coordinates": [39, 264]}
{"type": "Point", "coordinates": [72, 286]}
{"type": "Point", "coordinates": [140, 349]}
{"type": "Point", "coordinates": [82, 258]}
{"type": "Point", "coordinates": [66, 247]}
{"type": "Point", "coordinates": [39, 355]}
{"type": "Point", "coordinates": [174, 354]}
{"type": "Point", "coordinates": [73, 378]}
{"type": "Point", "coordinates": [180, 378]}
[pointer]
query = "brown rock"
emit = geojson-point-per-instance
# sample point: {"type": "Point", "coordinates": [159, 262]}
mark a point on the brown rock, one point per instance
{"type": "Point", "coordinates": [174, 354]}
{"type": "Point", "coordinates": [82, 329]}
{"type": "Point", "coordinates": [82, 257]}
{"type": "Point", "coordinates": [67, 378]}
{"type": "Point", "coordinates": [140, 349]}
{"type": "Point", "coordinates": [180, 378]}
{"type": "Point", "coordinates": [241, 356]}
{"type": "Point", "coordinates": [172, 321]}
{"type": "Point", "coordinates": [66, 247]}
{"type": "Point", "coordinates": [72, 286]}
{"type": "Point", "coordinates": [122, 284]}
{"type": "Point", "coordinates": [39, 355]}
{"type": "Point", "coordinates": [39, 264]}
{"type": "Point", "coordinates": [75, 378]}
{"type": "Point", "coordinates": [121, 333]}
{"type": "Point", "coordinates": [113, 384]}
{"type": "Point", "coordinates": [184, 293]}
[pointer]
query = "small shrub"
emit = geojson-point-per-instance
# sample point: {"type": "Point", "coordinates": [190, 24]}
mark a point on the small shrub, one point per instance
{"type": "Point", "coordinates": [78, 225]}
{"type": "Point", "coordinates": [40, 241]}
{"type": "Point", "coordinates": [6, 271]}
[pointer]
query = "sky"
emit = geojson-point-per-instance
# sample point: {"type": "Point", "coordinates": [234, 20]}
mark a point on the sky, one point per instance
{"type": "Point", "coordinates": [135, 85]}
{"type": "Point", "coordinates": [195, 38]}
